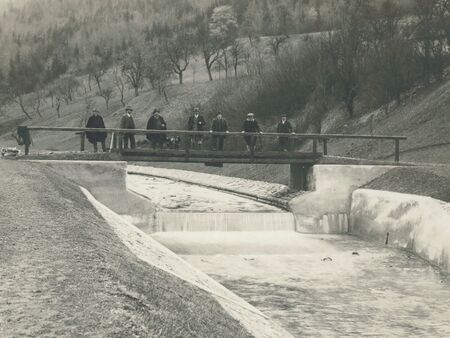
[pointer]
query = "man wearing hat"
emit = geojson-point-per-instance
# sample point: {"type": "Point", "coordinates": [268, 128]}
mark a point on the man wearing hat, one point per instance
{"type": "Point", "coordinates": [96, 121]}
{"type": "Point", "coordinates": [196, 122]}
{"type": "Point", "coordinates": [284, 127]}
{"type": "Point", "coordinates": [250, 126]}
{"type": "Point", "coordinates": [127, 122]}
{"type": "Point", "coordinates": [156, 122]}
{"type": "Point", "coordinates": [219, 125]}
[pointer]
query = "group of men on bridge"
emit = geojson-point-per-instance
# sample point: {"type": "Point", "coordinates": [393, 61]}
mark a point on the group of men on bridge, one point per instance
{"type": "Point", "coordinates": [196, 122]}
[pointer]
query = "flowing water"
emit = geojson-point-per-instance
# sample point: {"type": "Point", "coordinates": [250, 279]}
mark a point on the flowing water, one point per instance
{"type": "Point", "coordinates": [324, 286]}
{"type": "Point", "coordinates": [312, 285]}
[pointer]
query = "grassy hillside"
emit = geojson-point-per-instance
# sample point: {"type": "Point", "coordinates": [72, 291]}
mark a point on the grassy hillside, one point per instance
{"type": "Point", "coordinates": [423, 116]}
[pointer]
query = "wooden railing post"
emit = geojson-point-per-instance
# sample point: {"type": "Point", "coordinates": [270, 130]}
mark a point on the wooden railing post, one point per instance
{"type": "Point", "coordinates": [113, 144]}
{"type": "Point", "coordinates": [187, 146]}
{"type": "Point", "coordinates": [314, 145]}
{"type": "Point", "coordinates": [325, 146]}
{"type": "Point", "coordinates": [120, 135]}
{"type": "Point", "coordinates": [397, 150]}
{"type": "Point", "coordinates": [291, 144]}
{"type": "Point", "coordinates": [82, 141]}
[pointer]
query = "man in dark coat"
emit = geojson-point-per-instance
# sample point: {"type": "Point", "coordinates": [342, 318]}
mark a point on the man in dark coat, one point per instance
{"type": "Point", "coordinates": [127, 122]}
{"type": "Point", "coordinates": [220, 125]}
{"type": "Point", "coordinates": [96, 121]}
{"type": "Point", "coordinates": [250, 126]}
{"type": "Point", "coordinates": [156, 122]}
{"type": "Point", "coordinates": [284, 127]}
{"type": "Point", "coordinates": [196, 122]}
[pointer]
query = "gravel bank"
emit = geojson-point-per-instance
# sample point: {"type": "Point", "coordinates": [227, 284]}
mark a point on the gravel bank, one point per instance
{"type": "Point", "coordinates": [426, 181]}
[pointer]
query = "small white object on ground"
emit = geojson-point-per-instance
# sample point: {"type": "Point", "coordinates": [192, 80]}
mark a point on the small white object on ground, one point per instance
{"type": "Point", "coordinates": [10, 152]}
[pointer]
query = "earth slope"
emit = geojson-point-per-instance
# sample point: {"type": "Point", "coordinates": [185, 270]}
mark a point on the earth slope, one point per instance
{"type": "Point", "coordinates": [65, 272]}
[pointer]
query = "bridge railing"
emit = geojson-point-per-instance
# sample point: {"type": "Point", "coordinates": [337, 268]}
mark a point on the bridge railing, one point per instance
{"type": "Point", "coordinates": [266, 141]}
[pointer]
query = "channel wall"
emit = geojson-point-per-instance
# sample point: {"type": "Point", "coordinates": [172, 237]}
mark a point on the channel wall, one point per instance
{"type": "Point", "coordinates": [416, 223]}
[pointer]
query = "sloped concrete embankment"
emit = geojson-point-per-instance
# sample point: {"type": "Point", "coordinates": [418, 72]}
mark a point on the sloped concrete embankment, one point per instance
{"type": "Point", "coordinates": [65, 272]}
{"type": "Point", "coordinates": [325, 208]}
{"type": "Point", "coordinates": [416, 223]}
{"type": "Point", "coordinates": [106, 180]}
{"type": "Point", "coordinates": [155, 254]}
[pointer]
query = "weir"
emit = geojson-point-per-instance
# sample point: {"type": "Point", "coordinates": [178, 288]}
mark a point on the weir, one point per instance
{"type": "Point", "coordinates": [238, 221]}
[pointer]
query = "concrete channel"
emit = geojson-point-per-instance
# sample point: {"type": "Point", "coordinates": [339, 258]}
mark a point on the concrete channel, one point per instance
{"type": "Point", "coordinates": [313, 285]}
{"type": "Point", "coordinates": [324, 285]}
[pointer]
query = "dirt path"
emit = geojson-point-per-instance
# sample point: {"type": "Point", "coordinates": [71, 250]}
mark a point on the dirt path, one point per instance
{"type": "Point", "coordinates": [64, 272]}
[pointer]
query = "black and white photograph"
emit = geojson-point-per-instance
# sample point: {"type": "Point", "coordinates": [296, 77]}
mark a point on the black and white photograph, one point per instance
{"type": "Point", "coordinates": [224, 168]}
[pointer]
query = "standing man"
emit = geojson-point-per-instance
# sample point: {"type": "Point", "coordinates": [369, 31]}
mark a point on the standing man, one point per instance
{"type": "Point", "coordinates": [196, 122]}
{"type": "Point", "coordinates": [96, 121]}
{"type": "Point", "coordinates": [284, 127]}
{"type": "Point", "coordinates": [220, 125]}
{"type": "Point", "coordinates": [156, 122]}
{"type": "Point", "coordinates": [250, 126]}
{"type": "Point", "coordinates": [127, 122]}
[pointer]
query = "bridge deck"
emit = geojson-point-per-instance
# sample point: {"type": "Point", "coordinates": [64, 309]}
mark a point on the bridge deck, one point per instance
{"type": "Point", "coordinates": [208, 156]}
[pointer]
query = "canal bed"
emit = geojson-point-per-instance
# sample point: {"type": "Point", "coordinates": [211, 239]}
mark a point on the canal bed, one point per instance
{"type": "Point", "coordinates": [322, 286]}
{"type": "Point", "coordinates": [312, 285]}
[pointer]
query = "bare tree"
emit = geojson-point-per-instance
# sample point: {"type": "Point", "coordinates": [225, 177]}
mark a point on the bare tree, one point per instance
{"type": "Point", "coordinates": [209, 45]}
{"type": "Point", "coordinates": [133, 66]}
{"type": "Point", "coordinates": [119, 83]}
{"type": "Point", "coordinates": [106, 93]}
{"type": "Point", "coordinates": [158, 70]}
{"type": "Point", "coordinates": [391, 57]}
{"type": "Point", "coordinates": [67, 86]}
{"type": "Point", "coordinates": [223, 28]}
{"type": "Point", "coordinates": [18, 83]}
{"type": "Point", "coordinates": [178, 50]}
{"type": "Point", "coordinates": [433, 35]}
{"type": "Point", "coordinates": [59, 97]}
{"type": "Point", "coordinates": [276, 41]}
{"type": "Point", "coordinates": [37, 98]}
{"type": "Point", "coordinates": [346, 47]}
{"type": "Point", "coordinates": [237, 53]}
{"type": "Point", "coordinates": [98, 65]}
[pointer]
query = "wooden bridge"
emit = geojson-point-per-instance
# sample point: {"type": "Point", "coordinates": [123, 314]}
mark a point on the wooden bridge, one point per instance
{"type": "Point", "coordinates": [265, 152]}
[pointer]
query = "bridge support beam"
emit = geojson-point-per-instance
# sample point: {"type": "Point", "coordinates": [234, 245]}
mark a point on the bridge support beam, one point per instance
{"type": "Point", "coordinates": [298, 178]}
